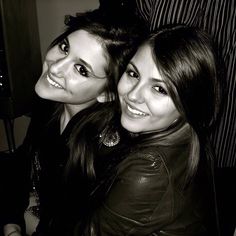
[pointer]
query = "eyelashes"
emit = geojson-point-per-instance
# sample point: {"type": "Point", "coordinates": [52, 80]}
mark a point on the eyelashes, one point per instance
{"type": "Point", "coordinates": [132, 73]}
{"type": "Point", "coordinates": [157, 88]}
{"type": "Point", "coordinates": [82, 70]}
{"type": "Point", "coordinates": [160, 90]}
{"type": "Point", "coordinates": [64, 46]}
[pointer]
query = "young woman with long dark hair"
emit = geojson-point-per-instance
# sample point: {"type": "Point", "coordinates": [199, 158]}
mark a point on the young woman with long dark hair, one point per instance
{"type": "Point", "coordinates": [153, 179]}
{"type": "Point", "coordinates": [81, 70]}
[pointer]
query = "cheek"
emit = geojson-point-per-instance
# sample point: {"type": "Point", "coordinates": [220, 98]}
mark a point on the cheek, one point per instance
{"type": "Point", "coordinates": [122, 86]}
{"type": "Point", "coordinates": [88, 88]}
{"type": "Point", "coordinates": [164, 108]}
{"type": "Point", "coordinates": [119, 88]}
{"type": "Point", "coordinates": [53, 55]}
{"type": "Point", "coordinates": [48, 60]}
{"type": "Point", "coordinates": [49, 56]}
{"type": "Point", "coordinates": [45, 66]}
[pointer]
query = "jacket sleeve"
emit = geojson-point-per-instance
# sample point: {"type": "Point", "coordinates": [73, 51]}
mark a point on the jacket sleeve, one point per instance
{"type": "Point", "coordinates": [136, 201]}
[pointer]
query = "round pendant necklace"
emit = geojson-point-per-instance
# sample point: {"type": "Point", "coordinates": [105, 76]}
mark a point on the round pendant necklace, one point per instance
{"type": "Point", "coordinates": [110, 139]}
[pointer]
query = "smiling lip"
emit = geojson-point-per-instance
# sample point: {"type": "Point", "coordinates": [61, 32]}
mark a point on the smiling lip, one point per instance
{"type": "Point", "coordinates": [134, 112]}
{"type": "Point", "coordinates": [52, 82]}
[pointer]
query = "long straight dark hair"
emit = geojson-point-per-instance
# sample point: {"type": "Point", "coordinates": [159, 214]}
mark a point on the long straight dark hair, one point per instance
{"type": "Point", "coordinates": [120, 39]}
{"type": "Point", "coordinates": [186, 59]}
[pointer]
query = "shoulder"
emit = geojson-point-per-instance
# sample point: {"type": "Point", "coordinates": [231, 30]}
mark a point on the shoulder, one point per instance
{"type": "Point", "coordinates": [144, 171]}
{"type": "Point", "coordinates": [144, 160]}
{"type": "Point", "coordinates": [154, 169]}
{"type": "Point", "coordinates": [144, 194]}
{"type": "Point", "coordinates": [141, 187]}
{"type": "Point", "coordinates": [156, 160]}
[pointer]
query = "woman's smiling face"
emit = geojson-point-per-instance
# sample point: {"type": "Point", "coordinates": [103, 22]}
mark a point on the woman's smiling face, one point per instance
{"type": "Point", "coordinates": [74, 70]}
{"type": "Point", "coordinates": [145, 103]}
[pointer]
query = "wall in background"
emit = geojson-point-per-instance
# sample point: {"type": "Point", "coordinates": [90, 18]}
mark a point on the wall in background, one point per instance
{"type": "Point", "coordinates": [51, 23]}
{"type": "Point", "coordinates": [51, 17]}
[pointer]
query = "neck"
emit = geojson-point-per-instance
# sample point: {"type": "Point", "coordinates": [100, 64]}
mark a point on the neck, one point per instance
{"type": "Point", "coordinates": [69, 111]}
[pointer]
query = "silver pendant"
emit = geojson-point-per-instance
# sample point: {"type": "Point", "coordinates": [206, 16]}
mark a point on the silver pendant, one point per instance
{"type": "Point", "coordinates": [111, 139]}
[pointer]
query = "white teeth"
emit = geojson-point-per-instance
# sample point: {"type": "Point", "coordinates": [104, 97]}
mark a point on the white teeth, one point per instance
{"type": "Point", "coordinates": [136, 112]}
{"type": "Point", "coordinates": [53, 83]}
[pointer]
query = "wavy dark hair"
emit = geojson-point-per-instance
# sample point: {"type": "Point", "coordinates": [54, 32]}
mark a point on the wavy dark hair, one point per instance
{"type": "Point", "coordinates": [186, 59]}
{"type": "Point", "coordinates": [120, 39]}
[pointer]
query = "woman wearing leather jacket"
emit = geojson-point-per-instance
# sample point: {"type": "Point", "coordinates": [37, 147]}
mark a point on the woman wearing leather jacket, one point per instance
{"type": "Point", "coordinates": [157, 184]}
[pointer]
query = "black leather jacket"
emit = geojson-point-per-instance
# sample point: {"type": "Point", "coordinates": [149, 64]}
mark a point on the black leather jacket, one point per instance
{"type": "Point", "coordinates": [148, 196]}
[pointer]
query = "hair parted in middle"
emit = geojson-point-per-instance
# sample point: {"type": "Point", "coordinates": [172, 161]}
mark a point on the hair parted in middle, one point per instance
{"type": "Point", "coordinates": [185, 57]}
{"type": "Point", "coordinates": [120, 38]}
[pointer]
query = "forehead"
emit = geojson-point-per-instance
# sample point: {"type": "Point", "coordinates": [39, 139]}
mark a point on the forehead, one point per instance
{"type": "Point", "coordinates": [83, 40]}
{"type": "Point", "coordinates": [145, 63]}
{"type": "Point", "coordinates": [88, 47]}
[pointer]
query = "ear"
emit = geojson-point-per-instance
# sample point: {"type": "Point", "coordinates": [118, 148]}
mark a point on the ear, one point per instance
{"type": "Point", "coordinates": [104, 98]}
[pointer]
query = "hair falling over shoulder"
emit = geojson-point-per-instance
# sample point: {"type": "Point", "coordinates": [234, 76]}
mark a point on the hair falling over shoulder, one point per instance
{"type": "Point", "coordinates": [186, 59]}
{"type": "Point", "coordinates": [84, 139]}
{"type": "Point", "coordinates": [120, 39]}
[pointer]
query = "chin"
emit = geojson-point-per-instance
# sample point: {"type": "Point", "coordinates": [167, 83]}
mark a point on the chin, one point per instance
{"type": "Point", "coordinates": [38, 89]}
{"type": "Point", "coordinates": [41, 92]}
{"type": "Point", "coordinates": [130, 127]}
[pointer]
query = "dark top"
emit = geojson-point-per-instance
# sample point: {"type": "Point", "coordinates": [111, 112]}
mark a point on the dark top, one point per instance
{"type": "Point", "coordinates": [145, 194]}
{"type": "Point", "coordinates": [43, 143]}
{"type": "Point", "coordinates": [140, 193]}
{"type": "Point", "coordinates": [42, 158]}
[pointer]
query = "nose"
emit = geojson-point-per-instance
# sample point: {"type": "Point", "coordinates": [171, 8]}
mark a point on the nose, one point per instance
{"type": "Point", "coordinates": [59, 67]}
{"type": "Point", "coordinates": [136, 94]}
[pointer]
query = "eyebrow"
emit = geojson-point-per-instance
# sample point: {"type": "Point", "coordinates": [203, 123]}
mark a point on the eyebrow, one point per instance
{"type": "Point", "coordinates": [92, 74]}
{"type": "Point", "coordinates": [86, 64]}
{"type": "Point", "coordinates": [153, 79]}
{"type": "Point", "coordinates": [80, 59]}
{"type": "Point", "coordinates": [158, 80]}
{"type": "Point", "coordinates": [132, 64]}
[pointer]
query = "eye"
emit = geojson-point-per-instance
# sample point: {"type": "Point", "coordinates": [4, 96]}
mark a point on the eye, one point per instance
{"type": "Point", "coordinates": [82, 70]}
{"type": "Point", "coordinates": [160, 90]}
{"type": "Point", "coordinates": [132, 73]}
{"type": "Point", "coordinates": [64, 46]}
